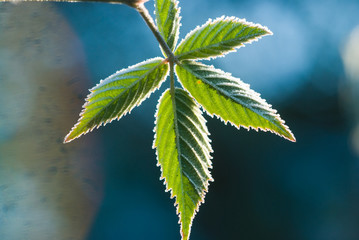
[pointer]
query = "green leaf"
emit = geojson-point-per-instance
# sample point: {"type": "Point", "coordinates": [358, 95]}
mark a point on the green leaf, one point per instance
{"type": "Point", "coordinates": [230, 99]}
{"type": "Point", "coordinates": [218, 37]}
{"type": "Point", "coordinates": [168, 20]}
{"type": "Point", "coordinates": [119, 94]}
{"type": "Point", "coordinates": [183, 152]}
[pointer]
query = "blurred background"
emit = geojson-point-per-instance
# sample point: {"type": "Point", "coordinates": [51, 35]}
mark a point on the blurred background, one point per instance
{"type": "Point", "coordinates": [106, 184]}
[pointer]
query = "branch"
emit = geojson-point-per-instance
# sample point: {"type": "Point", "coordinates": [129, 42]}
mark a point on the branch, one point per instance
{"type": "Point", "coordinates": [150, 23]}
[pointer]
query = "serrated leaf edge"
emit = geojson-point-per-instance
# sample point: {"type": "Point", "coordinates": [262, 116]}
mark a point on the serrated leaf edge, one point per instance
{"type": "Point", "coordinates": [224, 18]}
{"type": "Point", "coordinates": [204, 191]}
{"type": "Point", "coordinates": [177, 20]}
{"type": "Point", "coordinates": [67, 139]}
{"type": "Point", "coordinates": [274, 112]}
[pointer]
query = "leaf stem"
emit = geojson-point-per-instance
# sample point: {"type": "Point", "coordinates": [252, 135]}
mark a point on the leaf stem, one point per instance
{"type": "Point", "coordinates": [172, 79]}
{"type": "Point", "coordinates": [150, 23]}
{"type": "Point", "coordinates": [170, 56]}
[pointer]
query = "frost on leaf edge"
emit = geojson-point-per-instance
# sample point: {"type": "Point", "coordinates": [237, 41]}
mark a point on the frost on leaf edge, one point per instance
{"type": "Point", "coordinates": [274, 112]}
{"type": "Point", "coordinates": [177, 19]}
{"type": "Point", "coordinates": [103, 81]}
{"type": "Point", "coordinates": [205, 191]}
{"type": "Point", "coordinates": [225, 18]}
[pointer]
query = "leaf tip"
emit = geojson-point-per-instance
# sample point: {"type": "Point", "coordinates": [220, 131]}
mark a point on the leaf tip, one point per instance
{"type": "Point", "coordinates": [185, 236]}
{"type": "Point", "coordinates": [292, 137]}
{"type": "Point", "coordinates": [66, 140]}
{"type": "Point", "coordinates": [269, 32]}
{"type": "Point", "coordinates": [287, 134]}
{"type": "Point", "coordinates": [69, 137]}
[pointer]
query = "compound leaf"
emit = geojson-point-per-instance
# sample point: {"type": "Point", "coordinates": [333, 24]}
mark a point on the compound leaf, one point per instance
{"type": "Point", "coordinates": [230, 99]}
{"type": "Point", "coordinates": [218, 37]}
{"type": "Point", "coordinates": [168, 20]}
{"type": "Point", "coordinates": [119, 94]}
{"type": "Point", "coordinates": [183, 152]}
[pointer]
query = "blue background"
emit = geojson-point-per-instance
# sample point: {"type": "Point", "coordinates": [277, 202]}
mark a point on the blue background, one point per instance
{"type": "Point", "coordinates": [265, 187]}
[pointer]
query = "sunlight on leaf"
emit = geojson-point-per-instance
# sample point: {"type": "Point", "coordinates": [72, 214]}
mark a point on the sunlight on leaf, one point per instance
{"type": "Point", "coordinates": [230, 99]}
{"type": "Point", "coordinates": [183, 152]}
{"type": "Point", "coordinates": [182, 141]}
{"type": "Point", "coordinates": [218, 37]}
{"type": "Point", "coordinates": [168, 20]}
{"type": "Point", "coordinates": [119, 94]}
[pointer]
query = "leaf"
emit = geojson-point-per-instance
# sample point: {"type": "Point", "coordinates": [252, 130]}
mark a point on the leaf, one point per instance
{"type": "Point", "coordinates": [230, 99]}
{"type": "Point", "coordinates": [183, 152]}
{"type": "Point", "coordinates": [119, 94]}
{"type": "Point", "coordinates": [168, 20]}
{"type": "Point", "coordinates": [218, 37]}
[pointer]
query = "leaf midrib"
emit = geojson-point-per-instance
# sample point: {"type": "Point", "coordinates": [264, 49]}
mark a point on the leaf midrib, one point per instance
{"type": "Point", "coordinates": [123, 92]}
{"type": "Point", "coordinates": [174, 107]}
{"type": "Point", "coordinates": [211, 46]}
{"type": "Point", "coordinates": [226, 94]}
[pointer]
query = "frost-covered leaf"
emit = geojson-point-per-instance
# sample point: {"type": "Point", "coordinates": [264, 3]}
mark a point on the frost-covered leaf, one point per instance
{"type": "Point", "coordinates": [230, 99]}
{"type": "Point", "coordinates": [183, 152]}
{"type": "Point", "coordinates": [218, 37]}
{"type": "Point", "coordinates": [168, 20]}
{"type": "Point", "coordinates": [119, 94]}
